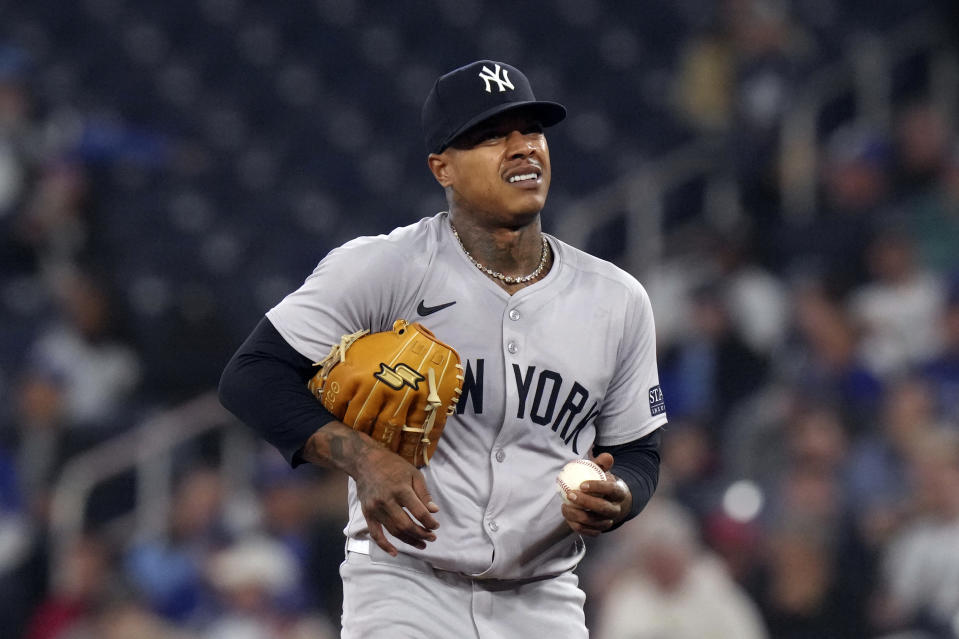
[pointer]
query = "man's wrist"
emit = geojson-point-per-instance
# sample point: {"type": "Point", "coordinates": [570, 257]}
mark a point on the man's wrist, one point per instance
{"type": "Point", "coordinates": [336, 445]}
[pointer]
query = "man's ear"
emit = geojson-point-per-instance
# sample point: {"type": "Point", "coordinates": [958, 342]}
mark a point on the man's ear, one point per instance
{"type": "Point", "coordinates": [440, 168]}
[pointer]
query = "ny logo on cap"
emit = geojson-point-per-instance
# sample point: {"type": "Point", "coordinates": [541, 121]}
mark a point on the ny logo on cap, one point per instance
{"type": "Point", "coordinates": [491, 76]}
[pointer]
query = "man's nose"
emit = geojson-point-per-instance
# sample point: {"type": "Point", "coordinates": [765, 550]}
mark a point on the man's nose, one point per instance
{"type": "Point", "coordinates": [517, 144]}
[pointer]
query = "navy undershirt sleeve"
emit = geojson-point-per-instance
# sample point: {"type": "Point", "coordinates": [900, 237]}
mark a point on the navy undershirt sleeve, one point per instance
{"type": "Point", "coordinates": [264, 384]}
{"type": "Point", "coordinates": [637, 464]}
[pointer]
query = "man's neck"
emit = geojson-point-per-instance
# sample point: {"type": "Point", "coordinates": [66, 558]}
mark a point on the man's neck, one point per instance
{"type": "Point", "coordinates": [514, 252]}
{"type": "Point", "coordinates": [507, 247]}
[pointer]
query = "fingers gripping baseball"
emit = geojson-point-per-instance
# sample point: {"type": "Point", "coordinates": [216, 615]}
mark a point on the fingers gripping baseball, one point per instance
{"type": "Point", "coordinates": [598, 505]}
{"type": "Point", "coordinates": [604, 461]}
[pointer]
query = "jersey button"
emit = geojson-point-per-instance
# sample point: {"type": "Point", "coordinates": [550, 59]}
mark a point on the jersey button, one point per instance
{"type": "Point", "coordinates": [512, 348]}
{"type": "Point", "coordinates": [492, 526]}
{"type": "Point", "coordinates": [514, 315]}
{"type": "Point", "coordinates": [500, 455]}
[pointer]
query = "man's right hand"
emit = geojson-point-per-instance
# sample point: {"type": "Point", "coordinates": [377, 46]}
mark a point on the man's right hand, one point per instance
{"type": "Point", "coordinates": [386, 484]}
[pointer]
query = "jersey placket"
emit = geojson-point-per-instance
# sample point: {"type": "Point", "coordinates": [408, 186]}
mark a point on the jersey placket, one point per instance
{"type": "Point", "coordinates": [514, 342]}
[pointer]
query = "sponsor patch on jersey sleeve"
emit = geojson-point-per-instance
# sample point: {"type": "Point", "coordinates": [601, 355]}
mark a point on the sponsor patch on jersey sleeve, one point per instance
{"type": "Point", "coordinates": [657, 404]}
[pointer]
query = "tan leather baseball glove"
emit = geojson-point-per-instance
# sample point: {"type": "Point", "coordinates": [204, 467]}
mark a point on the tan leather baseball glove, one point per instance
{"type": "Point", "coordinates": [396, 386]}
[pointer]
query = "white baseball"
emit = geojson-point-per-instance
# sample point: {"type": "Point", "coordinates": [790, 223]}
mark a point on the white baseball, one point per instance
{"type": "Point", "coordinates": [575, 473]}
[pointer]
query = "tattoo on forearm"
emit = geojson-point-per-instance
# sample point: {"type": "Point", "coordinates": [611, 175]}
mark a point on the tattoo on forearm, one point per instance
{"type": "Point", "coordinates": [336, 448]}
{"type": "Point", "coordinates": [340, 449]}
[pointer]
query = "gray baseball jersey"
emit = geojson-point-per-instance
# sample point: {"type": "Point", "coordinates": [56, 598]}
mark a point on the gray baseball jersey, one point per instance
{"type": "Point", "coordinates": [565, 362]}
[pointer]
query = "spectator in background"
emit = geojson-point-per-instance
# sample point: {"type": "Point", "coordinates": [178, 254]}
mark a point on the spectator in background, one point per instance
{"type": "Point", "coordinates": [816, 567]}
{"type": "Point", "coordinates": [806, 484]}
{"type": "Point", "coordinates": [942, 371]}
{"type": "Point", "coordinates": [823, 361]}
{"type": "Point", "coordinates": [252, 579]}
{"type": "Point", "coordinates": [897, 311]}
{"type": "Point", "coordinates": [98, 371]}
{"type": "Point", "coordinates": [705, 81]}
{"type": "Point", "coordinates": [300, 513]}
{"type": "Point", "coordinates": [816, 438]}
{"type": "Point", "coordinates": [714, 368]}
{"type": "Point", "coordinates": [15, 544]}
{"type": "Point", "coordinates": [285, 501]}
{"type": "Point", "coordinates": [757, 301]}
{"type": "Point", "coordinates": [932, 216]}
{"type": "Point", "coordinates": [75, 389]}
{"type": "Point", "coordinates": [37, 449]}
{"type": "Point", "coordinates": [924, 140]}
{"type": "Point", "coordinates": [803, 595]}
{"type": "Point", "coordinates": [328, 500]}
{"type": "Point", "coordinates": [921, 564]}
{"type": "Point", "coordinates": [81, 584]}
{"type": "Point", "coordinates": [53, 222]}
{"type": "Point", "coordinates": [771, 54]}
{"type": "Point", "coordinates": [169, 571]}
{"type": "Point", "coordinates": [831, 243]}
{"type": "Point", "coordinates": [691, 466]}
{"type": "Point", "coordinates": [38, 426]}
{"type": "Point", "coordinates": [735, 78]}
{"type": "Point", "coordinates": [17, 135]}
{"type": "Point", "coordinates": [23, 293]}
{"type": "Point", "coordinates": [753, 447]}
{"type": "Point", "coordinates": [127, 619]}
{"type": "Point", "coordinates": [877, 482]}
{"type": "Point", "coordinates": [734, 37]}
{"type": "Point", "coordinates": [737, 541]}
{"type": "Point", "coordinates": [667, 585]}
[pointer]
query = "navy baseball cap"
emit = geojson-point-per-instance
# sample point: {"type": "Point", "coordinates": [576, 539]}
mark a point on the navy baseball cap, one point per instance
{"type": "Point", "coordinates": [466, 96]}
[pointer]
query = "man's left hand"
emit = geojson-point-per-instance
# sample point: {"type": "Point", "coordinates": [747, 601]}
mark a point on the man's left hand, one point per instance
{"type": "Point", "coordinates": [598, 505]}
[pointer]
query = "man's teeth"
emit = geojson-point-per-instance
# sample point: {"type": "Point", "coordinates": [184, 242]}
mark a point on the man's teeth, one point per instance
{"type": "Point", "coordinates": [520, 178]}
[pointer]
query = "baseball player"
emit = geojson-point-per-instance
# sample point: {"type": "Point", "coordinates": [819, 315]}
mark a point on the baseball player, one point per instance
{"type": "Point", "coordinates": [559, 362]}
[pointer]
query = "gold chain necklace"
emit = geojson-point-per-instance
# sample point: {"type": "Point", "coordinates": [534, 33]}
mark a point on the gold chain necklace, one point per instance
{"type": "Point", "coordinates": [509, 279]}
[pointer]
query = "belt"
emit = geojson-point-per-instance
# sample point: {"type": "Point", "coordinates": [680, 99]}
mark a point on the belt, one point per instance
{"type": "Point", "coordinates": [362, 547]}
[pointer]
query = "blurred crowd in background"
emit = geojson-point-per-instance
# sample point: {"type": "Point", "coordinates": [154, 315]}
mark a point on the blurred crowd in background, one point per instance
{"type": "Point", "coordinates": [169, 170]}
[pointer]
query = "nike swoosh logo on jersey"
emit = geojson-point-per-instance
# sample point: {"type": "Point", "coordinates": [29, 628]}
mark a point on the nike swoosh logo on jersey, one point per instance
{"type": "Point", "coordinates": [425, 310]}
